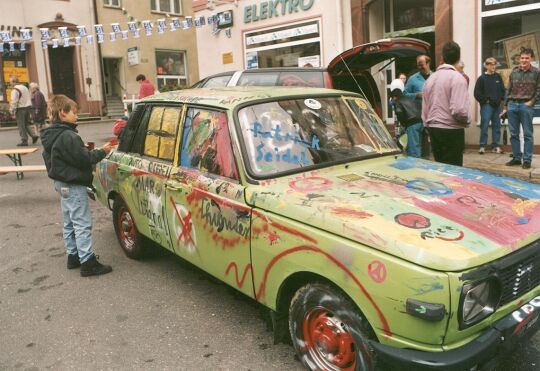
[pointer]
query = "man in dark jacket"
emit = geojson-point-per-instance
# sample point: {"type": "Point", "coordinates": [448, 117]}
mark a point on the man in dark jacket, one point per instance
{"type": "Point", "coordinates": [489, 92]}
{"type": "Point", "coordinates": [69, 164]}
{"type": "Point", "coordinates": [409, 113]}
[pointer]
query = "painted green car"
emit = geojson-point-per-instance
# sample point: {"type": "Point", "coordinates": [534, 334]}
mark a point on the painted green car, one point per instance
{"type": "Point", "coordinates": [300, 199]}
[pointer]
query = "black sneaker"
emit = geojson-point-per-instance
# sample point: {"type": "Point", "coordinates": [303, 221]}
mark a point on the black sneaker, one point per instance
{"type": "Point", "coordinates": [92, 267]}
{"type": "Point", "coordinates": [526, 165]}
{"type": "Point", "coordinates": [35, 139]}
{"type": "Point", "coordinates": [22, 144]}
{"type": "Point", "coordinates": [513, 162]}
{"type": "Point", "coordinates": [73, 261]}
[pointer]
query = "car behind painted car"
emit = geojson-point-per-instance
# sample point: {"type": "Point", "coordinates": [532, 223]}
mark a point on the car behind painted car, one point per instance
{"type": "Point", "coordinates": [300, 199]}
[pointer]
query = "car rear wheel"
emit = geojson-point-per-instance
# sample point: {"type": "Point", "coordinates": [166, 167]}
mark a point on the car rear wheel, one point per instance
{"type": "Point", "coordinates": [327, 330]}
{"type": "Point", "coordinates": [131, 241]}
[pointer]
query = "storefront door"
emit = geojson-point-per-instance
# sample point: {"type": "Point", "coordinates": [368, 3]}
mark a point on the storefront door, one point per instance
{"type": "Point", "coordinates": [61, 67]}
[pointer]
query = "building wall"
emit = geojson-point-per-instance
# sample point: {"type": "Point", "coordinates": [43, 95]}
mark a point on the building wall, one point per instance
{"type": "Point", "coordinates": [30, 14]}
{"type": "Point", "coordinates": [181, 40]}
{"type": "Point", "coordinates": [336, 31]}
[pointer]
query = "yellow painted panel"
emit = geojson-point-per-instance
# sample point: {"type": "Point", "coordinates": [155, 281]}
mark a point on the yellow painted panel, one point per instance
{"type": "Point", "coordinates": [166, 148]}
{"type": "Point", "coordinates": [170, 120]}
{"type": "Point", "coordinates": [155, 119]}
{"type": "Point", "coordinates": [151, 145]}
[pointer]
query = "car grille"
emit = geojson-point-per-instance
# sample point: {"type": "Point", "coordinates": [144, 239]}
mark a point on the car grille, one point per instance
{"type": "Point", "coordinates": [520, 277]}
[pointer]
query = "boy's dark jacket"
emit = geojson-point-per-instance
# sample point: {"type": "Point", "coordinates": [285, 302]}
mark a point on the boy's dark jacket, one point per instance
{"type": "Point", "coordinates": [408, 110]}
{"type": "Point", "coordinates": [65, 155]}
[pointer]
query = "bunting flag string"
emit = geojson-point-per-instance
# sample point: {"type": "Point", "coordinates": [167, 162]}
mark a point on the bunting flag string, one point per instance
{"type": "Point", "coordinates": [64, 37]}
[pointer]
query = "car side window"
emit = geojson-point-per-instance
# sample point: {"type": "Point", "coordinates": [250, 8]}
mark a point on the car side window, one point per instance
{"type": "Point", "coordinates": [161, 132]}
{"type": "Point", "coordinates": [258, 79]}
{"type": "Point", "coordinates": [206, 143]}
{"type": "Point", "coordinates": [313, 79]}
{"type": "Point", "coordinates": [217, 82]}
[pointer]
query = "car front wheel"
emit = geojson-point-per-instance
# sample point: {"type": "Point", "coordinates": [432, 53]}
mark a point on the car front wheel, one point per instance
{"type": "Point", "coordinates": [131, 241]}
{"type": "Point", "coordinates": [327, 330]}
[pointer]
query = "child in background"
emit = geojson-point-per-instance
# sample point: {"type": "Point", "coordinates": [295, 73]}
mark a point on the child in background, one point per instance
{"type": "Point", "coordinates": [69, 163]}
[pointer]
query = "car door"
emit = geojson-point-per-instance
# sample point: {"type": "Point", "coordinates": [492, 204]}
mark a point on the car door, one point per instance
{"type": "Point", "coordinates": [208, 219]}
{"type": "Point", "coordinates": [144, 171]}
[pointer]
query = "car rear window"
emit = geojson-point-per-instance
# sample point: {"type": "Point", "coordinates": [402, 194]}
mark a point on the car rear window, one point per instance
{"type": "Point", "coordinates": [217, 82]}
{"type": "Point", "coordinates": [258, 79]}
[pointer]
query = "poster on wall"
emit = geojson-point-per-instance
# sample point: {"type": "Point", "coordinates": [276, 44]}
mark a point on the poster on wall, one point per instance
{"type": "Point", "coordinates": [513, 45]}
{"type": "Point", "coordinates": [11, 68]}
{"type": "Point", "coordinates": [252, 60]}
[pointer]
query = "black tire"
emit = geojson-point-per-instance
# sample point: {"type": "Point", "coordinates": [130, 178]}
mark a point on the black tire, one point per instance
{"type": "Point", "coordinates": [328, 332]}
{"type": "Point", "coordinates": [132, 242]}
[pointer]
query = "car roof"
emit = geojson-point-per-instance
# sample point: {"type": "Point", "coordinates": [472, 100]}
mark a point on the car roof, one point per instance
{"type": "Point", "coordinates": [230, 97]}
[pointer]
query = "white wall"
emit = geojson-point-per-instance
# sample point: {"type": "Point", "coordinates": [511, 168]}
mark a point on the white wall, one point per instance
{"type": "Point", "coordinates": [211, 47]}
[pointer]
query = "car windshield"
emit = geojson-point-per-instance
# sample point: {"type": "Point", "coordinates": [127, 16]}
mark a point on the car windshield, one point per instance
{"type": "Point", "coordinates": [287, 135]}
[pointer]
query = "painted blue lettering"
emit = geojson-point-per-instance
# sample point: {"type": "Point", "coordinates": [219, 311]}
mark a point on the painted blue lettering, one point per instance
{"type": "Point", "coordinates": [259, 152]}
{"type": "Point", "coordinates": [293, 6]}
{"type": "Point", "coordinates": [305, 6]}
{"type": "Point", "coordinates": [255, 16]}
{"type": "Point", "coordinates": [264, 10]}
{"type": "Point", "coordinates": [247, 14]}
{"type": "Point", "coordinates": [272, 8]}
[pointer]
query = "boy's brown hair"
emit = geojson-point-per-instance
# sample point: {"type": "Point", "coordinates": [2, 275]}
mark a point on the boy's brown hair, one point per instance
{"type": "Point", "coordinates": [59, 103]}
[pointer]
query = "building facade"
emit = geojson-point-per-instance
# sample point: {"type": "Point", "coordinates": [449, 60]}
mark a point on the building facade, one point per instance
{"type": "Point", "coordinates": [168, 58]}
{"type": "Point", "coordinates": [255, 33]}
{"type": "Point", "coordinates": [63, 69]}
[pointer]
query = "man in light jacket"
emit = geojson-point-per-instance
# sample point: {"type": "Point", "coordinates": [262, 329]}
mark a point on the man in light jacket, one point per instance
{"type": "Point", "coordinates": [20, 105]}
{"type": "Point", "coordinates": [445, 108]}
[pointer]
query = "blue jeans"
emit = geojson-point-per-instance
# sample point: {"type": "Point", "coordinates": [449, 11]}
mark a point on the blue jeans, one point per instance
{"type": "Point", "coordinates": [521, 114]}
{"type": "Point", "coordinates": [77, 219]}
{"type": "Point", "coordinates": [414, 140]}
{"type": "Point", "coordinates": [489, 113]}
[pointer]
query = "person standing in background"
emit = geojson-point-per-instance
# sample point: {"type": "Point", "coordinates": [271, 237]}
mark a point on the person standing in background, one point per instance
{"type": "Point", "coordinates": [445, 108]}
{"type": "Point", "coordinates": [146, 88]}
{"type": "Point", "coordinates": [460, 67]}
{"type": "Point", "coordinates": [523, 90]}
{"type": "Point", "coordinates": [489, 92]}
{"type": "Point", "coordinates": [409, 114]}
{"type": "Point", "coordinates": [20, 105]}
{"type": "Point", "coordinates": [39, 106]}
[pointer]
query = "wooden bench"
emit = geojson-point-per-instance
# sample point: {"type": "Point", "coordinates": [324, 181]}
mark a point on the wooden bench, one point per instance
{"type": "Point", "coordinates": [14, 155]}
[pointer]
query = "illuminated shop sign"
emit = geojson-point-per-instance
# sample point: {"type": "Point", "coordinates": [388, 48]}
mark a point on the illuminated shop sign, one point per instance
{"type": "Point", "coordinates": [274, 8]}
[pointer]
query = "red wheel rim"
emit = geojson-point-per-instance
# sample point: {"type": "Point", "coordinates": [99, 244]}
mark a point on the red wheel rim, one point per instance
{"type": "Point", "coordinates": [328, 341]}
{"type": "Point", "coordinates": [126, 228]}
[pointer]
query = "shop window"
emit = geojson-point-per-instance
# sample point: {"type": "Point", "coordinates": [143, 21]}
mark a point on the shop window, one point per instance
{"type": "Point", "coordinates": [407, 14]}
{"type": "Point", "coordinates": [504, 35]}
{"type": "Point", "coordinates": [112, 3]}
{"type": "Point", "coordinates": [171, 70]}
{"type": "Point", "coordinates": [161, 133]}
{"type": "Point", "coordinates": [296, 45]}
{"type": "Point", "coordinates": [13, 63]}
{"type": "Point", "coordinates": [206, 143]}
{"type": "Point", "coordinates": [166, 6]}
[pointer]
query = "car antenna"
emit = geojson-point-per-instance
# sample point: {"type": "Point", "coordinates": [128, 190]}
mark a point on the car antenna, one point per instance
{"type": "Point", "coordinates": [356, 82]}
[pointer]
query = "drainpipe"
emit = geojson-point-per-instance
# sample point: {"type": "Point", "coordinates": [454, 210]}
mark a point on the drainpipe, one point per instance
{"type": "Point", "coordinates": [365, 18]}
{"type": "Point", "coordinates": [100, 62]}
{"type": "Point", "coordinates": [339, 26]}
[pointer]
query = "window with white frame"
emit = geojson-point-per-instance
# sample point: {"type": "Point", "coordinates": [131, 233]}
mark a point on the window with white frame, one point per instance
{"type": "Point", "coordinates": [166, 6]}
{"type": "Point", "coordinates": [113, 3]}
{"type": "Point", "coordinates": [171, 69]}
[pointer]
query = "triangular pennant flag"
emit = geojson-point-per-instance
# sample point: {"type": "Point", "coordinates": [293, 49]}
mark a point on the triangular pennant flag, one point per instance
{"type": "Point", "coordinates": [78, 40]}
{"type": "Point", "coordinates": [99, 29]}
{"type": "Point", "coordinates": [116, 27]}
{"type": "Point", "coordinates": [23, 46]}
{"type": "Point", "coordinates": [63, 32]}
{"type": "Point", "coordinates": [66, 42]}
{"type": "Point", "coordinates": [112, 36]}
{"type": "Point", "coordinates": [45, 33]}
{"type": "Point", "coordinates": [100, 38]}
{"type": "Point", "coordinates": [82, 30]}
{"type": "Point", "coordinates": [125, 34]}
{"type": "Point", "coordinates": [26, 34]}
{"type": "Point", "coordinates": [55, 43]}
{"type": "Point", "coordinates": [11, 46]}
{"type": "Point", "coordinates": [89, 39]}
{"type": "Point", "coordinates": [44, 44]}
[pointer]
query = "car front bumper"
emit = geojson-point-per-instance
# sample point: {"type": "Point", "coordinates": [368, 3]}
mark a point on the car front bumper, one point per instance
{"type": "Point", "coordinates": [500, 338]}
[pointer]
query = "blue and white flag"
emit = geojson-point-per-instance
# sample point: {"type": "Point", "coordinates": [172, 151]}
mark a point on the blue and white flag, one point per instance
{"type": "Point", "coordinates": [202, 21]}
{"type": "Point", "coordinates": [63, 32]}
{"type": "Point", "coordinates": [125, 34]}
{"type": "Point", "coordinates": [147, 25]}
{"type": "Point", "coordinates": [1, 47]}
{"type": "Point", "coordinates": [161, 25]}
{"type": "Point", "coordinates": [22, 47]}
{"type": "Point", "coordinates": [175, 24]}
{"type": "Point", "coordinates": [12, 46]}
{"type": "Point", "coordinates": [66, 42]}
{"type": "Point", "coordinates": [6, 36]}
{"type": "Point", "coordinates": [26, 34]}
{"type": "Point", "coordinates": [132, 26]}
{"type": "Point", "coordinates": [44, 44]}
{"type": "Point", "coordinates": [189, 21]}
{"type": "Point", "coordinates": [112, 36]}
{"type": "Point", "coordinates": [116, 27]}
{"type": "Point", "coordinates": [198, 22]}
{"type": "Point", "coordinates": [100, 38]}
{"type": "Point", "coordinates": [78, 40]}
{"type": "Point", "coordinates": [55, 43]}
{"type": "Point", "coordinates": [210, 19]}
{"type": "Point", "coordinates": [82, 30]}
{"type": "Point", "coordinates": [89, 39]}
{"type": "Point", "coordinates": [45, 33]}
{"type": "Point", "coordinates": [137, 33]}
{"type": "Point", "coordinates": [99, 29]}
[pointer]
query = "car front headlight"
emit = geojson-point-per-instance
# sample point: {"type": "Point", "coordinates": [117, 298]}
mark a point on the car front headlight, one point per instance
{"type": "Point", "coordinates": [478, 301]}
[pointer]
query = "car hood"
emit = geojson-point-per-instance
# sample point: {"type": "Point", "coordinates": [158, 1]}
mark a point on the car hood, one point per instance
{"type": "Point", "coordinates": [438, 216]}
{"type": "Point", "coordinates": [365, 56]}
